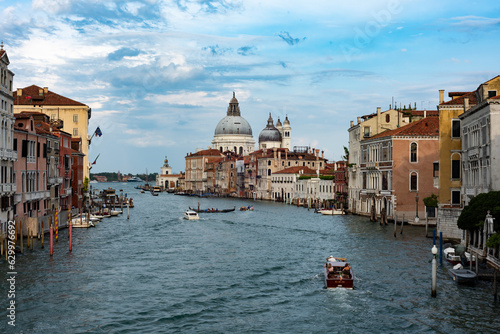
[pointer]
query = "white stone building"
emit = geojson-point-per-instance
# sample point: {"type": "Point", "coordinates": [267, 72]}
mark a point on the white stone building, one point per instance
{"type": "Point", "coordinates": [233, 132]}
{"type": "Point", "coordinates": [7, 155]}
{"type": "Point", "coordinates": [480, 148]}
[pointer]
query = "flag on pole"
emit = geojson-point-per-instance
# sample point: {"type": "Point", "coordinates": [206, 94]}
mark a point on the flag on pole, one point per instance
{"type": "Point", "coordinates": [96, 159]}
{"type": "Point", "coordinates": [98, 132]}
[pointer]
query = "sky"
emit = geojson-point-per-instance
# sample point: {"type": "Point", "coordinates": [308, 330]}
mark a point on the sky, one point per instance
{"type": "Point", "coordinates": [159, 75]}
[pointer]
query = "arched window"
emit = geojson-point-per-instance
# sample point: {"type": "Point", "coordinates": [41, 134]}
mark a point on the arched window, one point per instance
{"type": "Point", "coordinates": [413, 152]}
{"type": "Point", "coordinates": [413, 181]}
{"type": "Point", "coordinates": [269, 172]}
{"type": "Point", "coordinates": [241, 150]}
{"type": "Point", "coordinates": [221, 149]}
{"type": "Point", "coordinates": [387, 118]}
{"type": "Point", "coordinates": [455, 166]}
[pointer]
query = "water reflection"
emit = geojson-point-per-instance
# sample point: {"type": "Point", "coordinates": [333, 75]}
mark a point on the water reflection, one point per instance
{"type": "Point", "coordinates": [252, 271]}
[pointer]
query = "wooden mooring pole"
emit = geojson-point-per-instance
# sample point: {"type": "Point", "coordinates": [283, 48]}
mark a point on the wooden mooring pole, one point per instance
{"type": "Point", "coordinates": [402, 224]}
{"type": "Point", "coordinates": [70, 231]}
{"type": "Point", "coordinates": [21, 234]}
{"type": "Point", "coordinates": [494, 284]}
{"type": "Point", "coordinates": [51, 237]}
{"type": "Point", "coordinates": [395, 224]}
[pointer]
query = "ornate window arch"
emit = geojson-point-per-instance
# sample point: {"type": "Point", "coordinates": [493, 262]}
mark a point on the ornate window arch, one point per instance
{"type": "Point", "coordinates": [413, 181]}
{"type": "Point", "coordinates": [413, 152]}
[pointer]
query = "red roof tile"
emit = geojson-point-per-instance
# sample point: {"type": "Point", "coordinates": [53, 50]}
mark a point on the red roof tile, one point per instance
{"type": "Point", "coordinates": [296, 170]}
{"type": "Point", "coordinates": [209, 152]}
{"type": "Point", "coordinates": [460, 100]}
{"type": "Point", "coordinates": [428, 126]}
{"type": "Point", "coordinates": [421, 112]}
{"type": "Point", "coordinates": [31, 96]}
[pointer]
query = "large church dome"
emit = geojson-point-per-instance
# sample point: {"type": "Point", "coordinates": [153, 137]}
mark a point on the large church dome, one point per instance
{"type": "Point", "coordinates": [233, 123]}
{"type": "Point", "coordinates": [270, 132]}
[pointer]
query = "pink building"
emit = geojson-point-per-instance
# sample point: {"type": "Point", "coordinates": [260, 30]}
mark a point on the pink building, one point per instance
{"type": "Point", "coordinates": [397, 169]}
{"type": "Point", "coordinates": [32, 198]}
{"type": "Point", "coordinates": [65, 170]}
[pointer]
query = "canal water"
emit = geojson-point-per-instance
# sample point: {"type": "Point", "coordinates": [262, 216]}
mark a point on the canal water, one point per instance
{"type": "Point", "coordinates": [240, 272]}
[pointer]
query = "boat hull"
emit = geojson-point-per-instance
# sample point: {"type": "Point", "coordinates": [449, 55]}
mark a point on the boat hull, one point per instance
{"type": "Point", "coordinates": [191, 215]}
{"type": "Point", "coordinates": [331, 212]}
{"type": "Point", "coordinates": [213, 211]}
{"type": "Point", "coordinates": [463, 276]}
{"type": "Point", "coordinates": [336, 278]}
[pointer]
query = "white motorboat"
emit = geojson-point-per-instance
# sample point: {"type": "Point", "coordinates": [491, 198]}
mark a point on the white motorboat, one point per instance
{"type": "Point", "coordinates": [331, 212]}
{"type": "Point", "coordinates": [191, 215]}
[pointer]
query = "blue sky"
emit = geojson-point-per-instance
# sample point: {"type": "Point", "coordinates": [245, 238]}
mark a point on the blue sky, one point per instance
{"type": "Point", "coordinates": [159, 75]}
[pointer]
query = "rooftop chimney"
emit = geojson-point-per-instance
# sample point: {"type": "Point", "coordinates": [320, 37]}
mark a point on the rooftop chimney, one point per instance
{"type": "Point", "coordinates": [378, 111]}
{"type": "Point", "coordinates": [19, 92]}
{"type": "Point", "coordinates": [466, 104]}
{"type": "Point", "coordinates": [441, 96]}
{"type": "Point", "coordinates": [352, 124]}
{"type": "Point", "coordinates": [425, 113]}
{"type": "Point", "coordinates": [45, 90]}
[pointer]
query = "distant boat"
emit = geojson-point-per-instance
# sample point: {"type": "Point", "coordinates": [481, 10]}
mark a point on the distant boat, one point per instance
{"type": "Point", "coordinates": [134, 179]}
{"type": "Point", "coordinates": [331, 212]}
{"type": "Point", "coordinates": [94, 181]}
{"type": "Point", "coordinates": [191, 215]}
{"type": "Point", "coordinates": [213, 210]}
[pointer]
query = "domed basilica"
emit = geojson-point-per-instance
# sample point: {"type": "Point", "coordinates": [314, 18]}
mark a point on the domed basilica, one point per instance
{"type": "Point", "coordinates": [234, 133]}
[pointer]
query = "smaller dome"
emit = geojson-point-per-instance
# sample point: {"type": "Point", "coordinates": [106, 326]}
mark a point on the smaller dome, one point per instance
{"type": "Point", "coordinates": [270, 133]}
{"type": "Point", "coordinates": [278, 123]}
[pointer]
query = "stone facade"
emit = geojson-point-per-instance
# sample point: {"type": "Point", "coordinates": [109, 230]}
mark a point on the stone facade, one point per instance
{"type": "Point", "coordinates": [447, 223]}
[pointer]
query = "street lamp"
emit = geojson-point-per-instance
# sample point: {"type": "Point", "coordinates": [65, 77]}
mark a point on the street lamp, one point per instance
{"type": "Point", "coordinates": [416, 208]}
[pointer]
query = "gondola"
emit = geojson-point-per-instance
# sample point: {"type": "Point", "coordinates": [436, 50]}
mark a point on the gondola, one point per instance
{"type": "Point", "coordinates": [212, 210]}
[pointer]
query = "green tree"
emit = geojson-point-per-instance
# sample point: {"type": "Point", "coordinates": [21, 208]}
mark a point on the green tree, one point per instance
{"type": "Point", "coordinates": [473, 215]}
{"type": "Point", "coordinates": [346, 154]}
{"type": "Point", "coordinates": [431, 201]}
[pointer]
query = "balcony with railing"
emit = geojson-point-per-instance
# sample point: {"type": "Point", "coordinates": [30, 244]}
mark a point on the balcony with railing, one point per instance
{"type": "Point", "coordinates": [36, 195]}
{"type": "Point", "coordinates": [55, 180]}
{"type": "Point", "coordinates": [8, 187]}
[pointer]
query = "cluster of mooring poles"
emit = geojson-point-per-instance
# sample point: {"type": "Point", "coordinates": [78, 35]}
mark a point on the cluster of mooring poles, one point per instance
{"type": "Point", "coordinates": [32, 233]}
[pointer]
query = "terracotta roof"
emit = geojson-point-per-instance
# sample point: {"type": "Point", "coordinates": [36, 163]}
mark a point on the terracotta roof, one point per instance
{"type": "Point", "coordinates": [421, 112]}
{"type": "Point", "coordinates": [31, 96]}
{"type": "Point", "coordinates": [428, 126]}
{"type": "Point", "coordinates": [452, 94]}
{"type": "Point", "coordinates": [42, 127]}
{"type": "Point", "coordinates": [1, 53]}
{"type": "Point", "coordinates": [460, 100]}
{"type": "Point", "coordinates": [209, 152]}
{"type": "Point", "coordinates": [296, 170]}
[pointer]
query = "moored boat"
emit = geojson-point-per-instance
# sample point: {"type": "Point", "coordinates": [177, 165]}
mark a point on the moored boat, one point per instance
{"type": "Point", "coordinates": [338, 273]}
{"type": "Point", "coordinates": [463, 276]}
{"type": "Point", "coordinates": [453, 258]}
{"type": "Point", "coordinates": [331, 212]}
{"type": "Point", "coordinates": [191, 215]}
